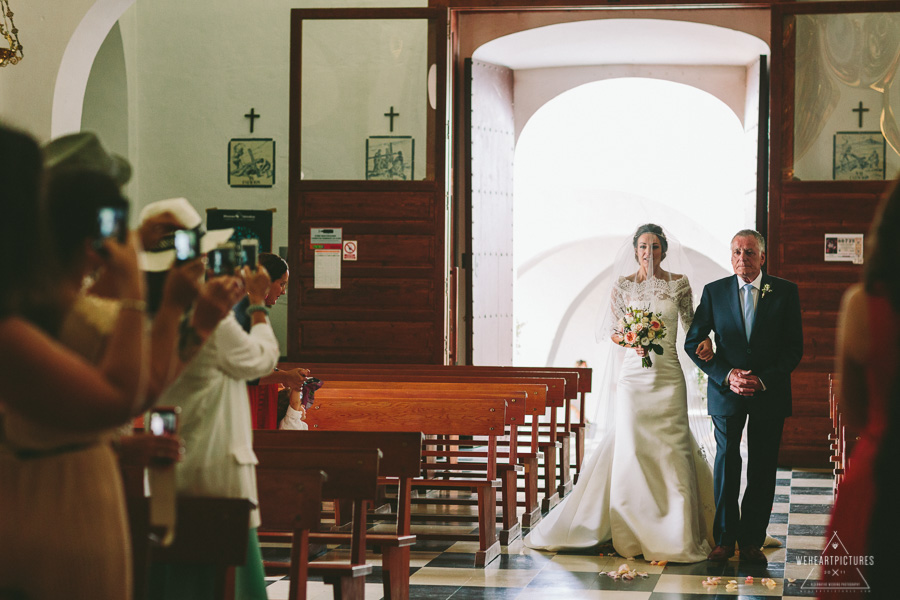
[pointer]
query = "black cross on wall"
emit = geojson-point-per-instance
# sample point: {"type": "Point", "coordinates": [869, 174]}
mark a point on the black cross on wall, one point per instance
{"type": "Point", "coordinates": [252, 116]}
{"type": "Point", "coordinates": [860, 110]}
{"type": "Point", "coordinates": [391, 115]}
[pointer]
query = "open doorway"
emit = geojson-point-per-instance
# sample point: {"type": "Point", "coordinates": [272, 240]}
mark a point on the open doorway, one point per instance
{"type": "Point", "coordinates": [630, 121]}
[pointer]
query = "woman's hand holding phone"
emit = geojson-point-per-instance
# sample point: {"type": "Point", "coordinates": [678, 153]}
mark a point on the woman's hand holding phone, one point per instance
{"type": "Point", "coordinates": [214, 302]}
{"type": "Point", "coordinates": [183, 284]}
{"type": "Point", "coordinates": [257, 283]}
{"type": "Point", "coordinates": [122, 264]}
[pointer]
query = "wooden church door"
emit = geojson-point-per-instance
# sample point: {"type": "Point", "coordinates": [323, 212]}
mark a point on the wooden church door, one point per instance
{"type": "Point", "coordinates": [368, 186]}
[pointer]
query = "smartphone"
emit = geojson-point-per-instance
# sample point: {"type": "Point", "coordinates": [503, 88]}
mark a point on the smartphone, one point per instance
{"type": "Point", "coordinates": [250, 253]}
{"type": "Point", "coordinates": [222, 260]}
{"type": "Point", "coordinates": [163, 420]}
{"type": "Point", "coordinates": [112, 222]}
{"type": "Point", "coordinates": [187, 245]}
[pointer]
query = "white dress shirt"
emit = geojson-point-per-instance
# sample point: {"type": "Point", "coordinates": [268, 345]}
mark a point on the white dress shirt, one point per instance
{"type": "Point", "coordinates": [756, 283]}
{"type": "Point", "coordinates": [216, 425]}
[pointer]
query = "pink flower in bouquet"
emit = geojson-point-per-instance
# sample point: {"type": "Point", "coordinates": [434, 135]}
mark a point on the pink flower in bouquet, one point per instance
{"type": "Point", "coordinates": [640, 329]}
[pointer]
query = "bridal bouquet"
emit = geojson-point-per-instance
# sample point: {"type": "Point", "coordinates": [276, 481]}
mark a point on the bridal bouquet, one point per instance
{"type": "Point", "coordinates": [641, 328]}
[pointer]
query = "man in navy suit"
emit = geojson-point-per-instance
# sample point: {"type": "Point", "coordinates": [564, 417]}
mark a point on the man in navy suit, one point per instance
{"type": "Point", "coordinates": [759, 341]}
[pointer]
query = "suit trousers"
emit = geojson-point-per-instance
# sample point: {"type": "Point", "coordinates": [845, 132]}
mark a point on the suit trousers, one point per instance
{"type": "Point", "coordinates": [745, 525]}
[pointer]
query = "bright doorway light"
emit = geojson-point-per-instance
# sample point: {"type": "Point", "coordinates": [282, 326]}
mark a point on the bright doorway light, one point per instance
{"type": "Point", "coordinates": [593, 164]}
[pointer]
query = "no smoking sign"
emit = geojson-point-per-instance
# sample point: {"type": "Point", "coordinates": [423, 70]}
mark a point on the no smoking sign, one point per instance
{"type": "Point", "coordinates": [350, 250]}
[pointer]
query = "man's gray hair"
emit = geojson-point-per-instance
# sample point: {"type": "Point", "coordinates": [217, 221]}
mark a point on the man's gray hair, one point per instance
{"type": "Point", "coordinates": [754, 234]}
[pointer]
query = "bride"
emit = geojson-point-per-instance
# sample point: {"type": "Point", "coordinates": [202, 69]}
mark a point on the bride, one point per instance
{"type": "Point", "coordinates": [647, 488]}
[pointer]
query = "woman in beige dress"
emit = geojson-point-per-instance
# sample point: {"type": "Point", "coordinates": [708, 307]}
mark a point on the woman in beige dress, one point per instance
{"type": "Point", "coordinates": [63, 529]}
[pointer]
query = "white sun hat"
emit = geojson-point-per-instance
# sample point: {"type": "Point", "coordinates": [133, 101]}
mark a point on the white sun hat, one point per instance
{"type": "Point", "coordinates": [162, 256]}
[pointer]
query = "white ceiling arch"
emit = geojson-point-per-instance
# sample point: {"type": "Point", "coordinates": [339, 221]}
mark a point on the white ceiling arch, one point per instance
{"type": "Point", "coordinates": [623, 42]}
{"type": "Point", "coordinates": [552, 59]}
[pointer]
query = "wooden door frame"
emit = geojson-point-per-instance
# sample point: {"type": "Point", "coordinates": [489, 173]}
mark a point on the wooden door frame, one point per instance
{"type": "Point", "coordinates": [436, 156]}
{"type": "Point", "coordinates": [781, 141]}
{"type": "Point", "coordinates": [461, 106]}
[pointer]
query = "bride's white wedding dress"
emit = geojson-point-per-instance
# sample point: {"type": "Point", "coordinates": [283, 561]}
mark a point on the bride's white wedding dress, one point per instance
{"type": "Point", "coordinates": [647, 487]}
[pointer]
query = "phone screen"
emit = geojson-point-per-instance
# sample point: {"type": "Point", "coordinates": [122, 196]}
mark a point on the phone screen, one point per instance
{"type": "Point", "coordinates": [222, 260]}
{"type": "Point", "coordinates": [250, 253]}
{"type": "Point", "coordinates": [186, 245]}
{"type": "Point", "coordinates": [163, 420]}
{"type": "Point", "coordinates": [112, 221]}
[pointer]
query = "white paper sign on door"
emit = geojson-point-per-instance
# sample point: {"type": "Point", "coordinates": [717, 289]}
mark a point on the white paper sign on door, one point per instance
{"type": "Point", "coordinates": [327, 267]}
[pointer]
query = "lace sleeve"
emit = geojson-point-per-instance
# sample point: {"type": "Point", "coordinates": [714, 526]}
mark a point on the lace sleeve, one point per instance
{"type": "Point", "coordinates": [686, 304]}
{"type": "Point", "coordinates": [616, 310]}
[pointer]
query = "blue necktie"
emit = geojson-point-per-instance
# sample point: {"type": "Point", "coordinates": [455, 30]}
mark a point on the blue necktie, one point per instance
{"type": "Point", "coordinates": [748, 309]}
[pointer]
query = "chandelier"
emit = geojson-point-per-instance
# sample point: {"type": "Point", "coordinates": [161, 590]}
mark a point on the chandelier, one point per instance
{"type": "Point", "coordinates": [12, 52]}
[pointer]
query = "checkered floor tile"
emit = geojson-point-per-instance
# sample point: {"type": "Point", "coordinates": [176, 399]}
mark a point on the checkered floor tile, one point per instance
{"type": "Point", "coordinates": [442, 571]}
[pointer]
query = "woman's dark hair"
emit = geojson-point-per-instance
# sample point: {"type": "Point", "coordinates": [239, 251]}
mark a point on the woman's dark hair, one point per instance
{"type": "Point", "coordinates": [74, 198]}
{"type": "Point", "coordinates": [284, 401]}
{"type": "Point", "coordinates": [655, 230]}
{"type": "Point", "coordinates": [274, 264]}
{"type": "Point", "coordinates": [27, 286]}
{"type": "Point", "coordinates": [880, 274]}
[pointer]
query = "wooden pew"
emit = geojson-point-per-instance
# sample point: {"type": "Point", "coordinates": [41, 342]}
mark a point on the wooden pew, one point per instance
{"type": "Point", "coordinates": [351, 475]}
{"type": "Point", "coordinates": [835, 438]}
{"type": "Point", "coordinates": [527, 453]}
{"type": "Point", "coordinates": [507, 471]}
{"type": "Point", "coordinates": [291, 499]}
{"type": "Point", "coordinates": [555, 445]}
{"type": "Point", "coordinates": [209, 531]}
{"type": "Point", "coordinates": [435, 416]}
{"type": "Point", "coordinates": [537, 402]}
{"type": "Point", "coordinates": [584, 387]}
{"type": "Point", "coordinates": [400, 463]}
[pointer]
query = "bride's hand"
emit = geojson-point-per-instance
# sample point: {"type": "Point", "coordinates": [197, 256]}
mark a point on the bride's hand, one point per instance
{"type": "Point", "coordinates": [641, 351]}
{"type": "Point", "coordinates": [705, 351]}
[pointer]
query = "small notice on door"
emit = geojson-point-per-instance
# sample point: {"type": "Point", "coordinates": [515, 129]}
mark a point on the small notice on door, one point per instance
{"type": "Point", "coordinates": [844, 247]}
{"type": "Point", "coordinates": [350, 250]}
{"type": "Point", "coordinates": [327, 268]}
{"type": "Point", "coordinates": [325, 238]}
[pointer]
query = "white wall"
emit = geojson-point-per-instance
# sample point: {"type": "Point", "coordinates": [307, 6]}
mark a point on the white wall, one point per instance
{"type": "Point", "coordinates": [105, 108]}
{"type": "Point", "coordinates": [193, 69]}
{"type": "Point", "coordinates": [27, 89]}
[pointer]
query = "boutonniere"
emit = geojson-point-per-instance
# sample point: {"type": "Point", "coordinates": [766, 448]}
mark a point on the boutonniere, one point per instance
{"type": "Point", "coordinates": [765, 288]}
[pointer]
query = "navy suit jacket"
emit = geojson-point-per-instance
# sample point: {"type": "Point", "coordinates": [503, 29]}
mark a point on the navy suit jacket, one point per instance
{"type": "Point", "coordinates": [774, 349]}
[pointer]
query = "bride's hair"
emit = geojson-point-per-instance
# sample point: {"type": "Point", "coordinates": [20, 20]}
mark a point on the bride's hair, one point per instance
{"type": "Point", "coordinates": [655, 230]}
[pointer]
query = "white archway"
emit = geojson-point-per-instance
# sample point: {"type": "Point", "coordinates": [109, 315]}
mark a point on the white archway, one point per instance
{"type": "Point", "coordinates": [76, 63]}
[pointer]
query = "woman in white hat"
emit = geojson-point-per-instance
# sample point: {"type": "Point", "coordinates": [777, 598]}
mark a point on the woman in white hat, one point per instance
{"type": "Point", "coordinates": [215, 413]}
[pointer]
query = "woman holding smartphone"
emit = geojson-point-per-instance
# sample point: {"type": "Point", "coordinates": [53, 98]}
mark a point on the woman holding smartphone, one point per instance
{"type": "Point", "coordinates": [62, 514]}
{"type": "Point", "coordinates": [215, 425]}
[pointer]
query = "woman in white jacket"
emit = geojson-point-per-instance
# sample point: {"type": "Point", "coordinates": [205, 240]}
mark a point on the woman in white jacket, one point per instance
{"type": "Point", "coordinates": [218, 436]}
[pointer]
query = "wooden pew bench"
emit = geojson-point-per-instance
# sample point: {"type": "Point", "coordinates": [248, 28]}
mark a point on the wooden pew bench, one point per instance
{"type": "Point", "coordinates": [436, 416]}
{"type": "Point", "coordinates": [292, 501]}
{"type": "Point", "coordinates": [351, 474]}
{"type": "Point", "coordinates": [400, 464]}
{"type": "Point", "coordinates": [555, 441]}
{"type": "Point", "coordinates": [209, 531]}
{"type": "Point", "coordinates": [508, 468]}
